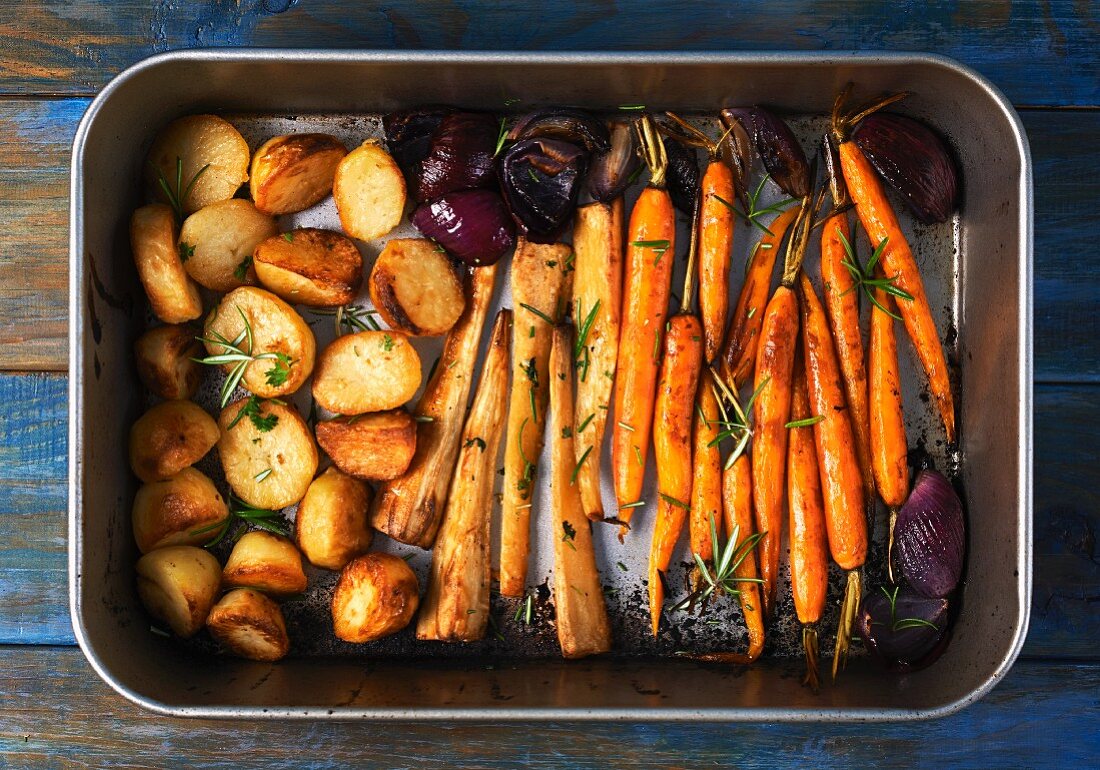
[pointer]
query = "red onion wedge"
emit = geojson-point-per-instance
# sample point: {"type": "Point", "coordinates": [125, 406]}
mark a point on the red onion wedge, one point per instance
{"type": "Point", "coordinates": [471, 225]}
{"type": "Point", "coordinates": [930, 536]}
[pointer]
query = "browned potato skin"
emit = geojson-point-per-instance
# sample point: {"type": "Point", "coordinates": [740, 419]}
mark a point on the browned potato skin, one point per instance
{"type": "Point", "coordinates": [331, 526]}
{"type": "Point", "coordinates": [170, 512]}
{"type": "Point", "coordinates": [377, 595]}
{"type": "Point", "coordinates": [367, 372]}
{"type": "Point", "coordinates": [369, 190]}
{"type": "Point", "coordinates": [163, 356]}
{"type": "Point", "coordinates": [292, 173]}
{"type": "Point", "coordinates": [170, 437]}
{"type": "Point", "coordinates": [276, 328]}
{"type": "Point", "coordinates": [287, 450]}
{"type": "Point", "coordinates": [178, 585]}
{"type": "Point", "coordinates": [221, 238]}
{"type": "Point", "coordinates": [267, 562]}
{"type": "Point", "coordinates": [378, 446]}
{"type": "Point", "coordinates": [249, 625]}
{"type": "Point", "coordinates": [199, 140]}
{"type": "Point", "coordinates": [416, 288]}
{"type": "Point", "coordinates": [314, 267]}
{"type": "Point", "coordinates": [172, 294]}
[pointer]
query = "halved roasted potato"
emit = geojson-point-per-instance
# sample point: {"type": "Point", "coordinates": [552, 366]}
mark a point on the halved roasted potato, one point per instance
{"type": "Point", "coordinates": [170, 437]}
{"type": "Point", "coordinates": [377, 446]}
{"type": "Point", "coordinates": [164, 356]}
{"type": "Point", "coordinates": [377, 595]}
{"type": "Point", "coordinates": [266, 562]}
{"type": "Point", "coordinates": [269, 456]}
{"type": "Point", "coordinates": [181, 510]}
{"type": "Point", "coordinates": [178, 585]}
{"type": "Point", "coordinates": [172, 294]}
{"type": "Point", "coordinates": [218, 241]}
{"type": "Point", "coordinates": [291, 173]}
{"type": "Point", "coordinates": [314, 267]}
{"type": "Point", "coordinates": [369, 190]}
{"type": "Point", "coordinates": [249, 625]}
{"type": "Point", "coordinates": [277, 330]}
{"type": "Point", "coordinates": [416, 288]}
{"type": "Point", "coordinates": [331, 526]}
{"type": "Point", "coordinates": [367, 372]}
{"type": "Point", "coordinates": [199, 142]}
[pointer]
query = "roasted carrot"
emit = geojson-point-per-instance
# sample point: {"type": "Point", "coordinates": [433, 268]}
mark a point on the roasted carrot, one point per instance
{"type": "Point", "coordinates": [889, 449]}
{"type": "Point", "coordinates": [597, 300]}
{"type": "Point", "coordinates": [809, 552]}
{"type": "Point", "coordinates": [743, 333]}
{"type": "Point", "coordinates": [540, 290]}
{"type": "Point", "coordinates": [881, 224]}
{"type": "Point", "coordinates": [774, 370]}
{"type": "Point", "coordinates": [841, 294]}
{"type": "Point", "coordinates": [717, 191]}
{"type": "Point", "coordinates": [706, 477]}
{"type": "Point", "coordinates": [676, 386]}
{"type": "Point", "coordinates": [841, 484]}
{"type": "Point", "coordinates": [647, 283]}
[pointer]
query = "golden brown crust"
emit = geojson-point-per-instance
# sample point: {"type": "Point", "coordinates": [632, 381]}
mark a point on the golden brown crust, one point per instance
{"type": "Point", "coordinates": [249, 625]}
{"type": "Point", "coordinates": [331, 526]}
{"type": "Point", "coordinates": [416, 288]}
{"type": "Point", "coordinates": [170, 437]}
{"type": "Point", "coordinates": [292, 173]}
{"type": "Point", "coordinates": [172, 294]}
{"type": "Point", "coordinates": [171, 512]}
{"type": "Point", "coordinates": [163, 356]}
{"type": "Point", "coordinates": [377, 595]}
{"type": "Point", "coordinates": [310, 266]}
{"type": "Point", "coordinates": [198, 141]}
{"type": "Point", "coordinates": [369, 190]}
{"type": "Point", "coordinates": [367, 372]}
{"type": "Point", "coordinates": [178, 585]}
{"type": "Point", "coordinates": [377, 446]}
{"type": "Point", "coordinates": [267, 562]}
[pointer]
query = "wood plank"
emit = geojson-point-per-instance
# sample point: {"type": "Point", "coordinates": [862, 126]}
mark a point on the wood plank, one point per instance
{"type": "Point", "coordinates": [35, 137]}
{"type": "Point", "coordinates": [1038, 53]}
{"type": "Point", "coordinates": [57, 712]}
{"type": "Point", "coordinates": [34, 601]}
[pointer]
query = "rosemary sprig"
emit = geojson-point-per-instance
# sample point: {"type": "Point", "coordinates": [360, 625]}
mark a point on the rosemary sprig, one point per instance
{"type": "Point", "coordinates": [805, 423]}
{"type": "Point", "coordinates": [238, 352]}
{"type": "Point", "coordinates": [752, 216]}
{"type": "Point", "coordinates": [251, 410]}
{"type": "Point", "coordinates": [659, 248]}
{"type": "Point", "coordinates": [577, 467]}
{"type": "Point", "coordinates": [240, 511]}
{"type": "Point", "coordinates": [738, 427]}
{"type": "Point", "coordinates": [502, 137]}
{"type": "Point", "coordinates": [177, 197]}
{"type": "Point", "coordinates": [580, 347]}
{"type": "Point", "coordinates": [352, 318]}
{"type": "Point", "coordinates": [723, 577]}
{"type": "Point", "coordinates": [864, 276]}
{"type": "Point", "coordinates": [537, 312]}
{"type": "Point", "coordinates": [525, 610]}
{"type": "Point", "coordinates": [900, 624]}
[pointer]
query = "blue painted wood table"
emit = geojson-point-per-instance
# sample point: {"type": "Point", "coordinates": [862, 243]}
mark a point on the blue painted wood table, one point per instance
{"type": "Point", "coordinates": [55, 54]}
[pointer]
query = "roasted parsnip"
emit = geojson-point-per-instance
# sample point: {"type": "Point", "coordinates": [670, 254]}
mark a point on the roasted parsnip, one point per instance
{"type": "Point", "coordinates": [540, 290]}
{"type": "Point", "coordinates": [456, 605]}
{"type": "Point", "coordinates": [409, 508]}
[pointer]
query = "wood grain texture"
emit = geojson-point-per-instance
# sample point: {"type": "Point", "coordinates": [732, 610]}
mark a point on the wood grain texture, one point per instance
{"type": "Point", "coordinates": [1040, 712]}
{"type": "Point", "coordinates": [1038, 53]}
{"type": "Point", "coordinates": [35, 139]}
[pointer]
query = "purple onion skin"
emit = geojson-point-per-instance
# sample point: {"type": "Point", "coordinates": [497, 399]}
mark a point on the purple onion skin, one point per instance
{"type": "Point", "coordinates": [914, 160]}
{"type": "Point", "coordinates": [566, 124]}
{"type": "Point", "coordinates": [777, 146]}
{"type": "Point", "coordinates": [461, 156]}
{"type": "Point", "coordinates": [892, 639]}
{"type": "Point", "coordinates": [471, 225]}
{"type": "Point", "coordinates": [540, 179]}
{"type": "Point", "coordinates": [930, 536]}
{"type": "Point", "coordinates": [610, 173]}
{"type": "Point", "coordinates": [409, 135]}
{"type": "Point", "coordinates": [682, 177]}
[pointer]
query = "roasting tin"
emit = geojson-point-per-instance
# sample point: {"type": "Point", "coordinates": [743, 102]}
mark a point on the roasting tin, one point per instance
{"type": "Point", "coordinates": [977, 269]}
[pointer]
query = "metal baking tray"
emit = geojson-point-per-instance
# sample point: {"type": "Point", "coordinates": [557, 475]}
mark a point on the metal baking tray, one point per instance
{"type": "Point", "coordinates": [978, 271]}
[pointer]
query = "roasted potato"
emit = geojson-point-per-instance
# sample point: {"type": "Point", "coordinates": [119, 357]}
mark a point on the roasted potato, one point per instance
{"type": "Point", "coordinates": [172, 294]}
{"type": "Point", "coordinates": [331, 527]}
{"type": "Point", "coordinates": [267, 464]}
{"type": "Point", "coordinates": [249, 625]}
{"type": "Point", "coordinates": [170, 437]}
{"type": "Point", "coordinates": [266, 562]}
{"type": "Point", "coordinates": [416, 288]}
{"type": "Point", "coordinates": [291, 173]}
{"type": "Point", "coordinates": [181, 510]}
{"type": "Point", "coordinates": [178, 585]}
{"type": "Point", "coordinates": [276, 329]}
{"type": "Point", "coordinates": [199, 141]}
{"type": "Point", "coordinates": [369, 190]}
{"type": "Point", "coordinates": [164, 356]}
{"type": "Point", "coordinates": [367, 372]}
{"type": "Point", "coordinates": [377, 446]}
{"type": "Point", "coordinates": [218, 241]}
{"type": "Point", "coordinates": [377, 595]}
{"type": "Point", "coordinates": [313, 267]}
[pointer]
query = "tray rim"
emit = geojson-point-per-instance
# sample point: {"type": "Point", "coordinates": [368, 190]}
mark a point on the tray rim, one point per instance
{"type": "Point", "coordinates": [78, 308]}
